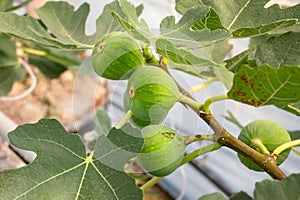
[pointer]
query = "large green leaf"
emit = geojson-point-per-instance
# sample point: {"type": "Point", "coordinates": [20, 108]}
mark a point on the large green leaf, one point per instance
{"type": "Point", "coordinates": [279, 50]}
{"type": "Point", "coordinates": [275, 189]}
{"type": "Point", "coordinates": [266, 85]}
{"type": "Point", "coordinates": [119, 146]}
{"type": "Point", "coordinates": [65, 30]}
{"type": "Point", "coordinates": [194, 48]}
{"type": "Point", "coordinates": [61, 170]}
{"type": "Point", "coordinates": [28, 28]}
{"type": "Point", "coordinates": [182, 34]}
{"type": "Point", "coordinates": [247, 18]}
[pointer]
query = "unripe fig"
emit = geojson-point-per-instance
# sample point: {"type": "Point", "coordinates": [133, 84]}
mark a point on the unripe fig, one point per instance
{"type": "Point", "coordinates": [150, 94]}
{"type": "Point", "coordinates": [116, 56]}
{"type": "Point", "coordinates": [163, 150]}
{"type": "Point", "coordinates": [268, 133]}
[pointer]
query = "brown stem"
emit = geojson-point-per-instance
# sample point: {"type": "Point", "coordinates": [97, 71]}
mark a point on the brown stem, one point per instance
{"type": "Point", "coordinates": [266, 162]}
{"type": "Point", "coordinates": [224, 138]}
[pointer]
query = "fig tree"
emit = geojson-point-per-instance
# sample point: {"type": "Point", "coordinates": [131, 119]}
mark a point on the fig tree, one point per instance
{"type": "Point", "coordinates": [150, 94]}
{"type": "Point", "coordinates": [264, 136]}
{"type": "Point", "coordinates": [163, 150]}
{"type": "Point", "coordinates": [116, 56]}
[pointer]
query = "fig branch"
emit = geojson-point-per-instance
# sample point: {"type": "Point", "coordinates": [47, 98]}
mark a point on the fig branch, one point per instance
{"type": "Point", "coordinates": [224, 138]}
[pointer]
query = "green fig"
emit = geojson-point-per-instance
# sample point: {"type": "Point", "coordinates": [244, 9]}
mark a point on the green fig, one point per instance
{"type": "Point", "coordinates": [267, 132]}
{"type": "Point", "coordinates": [163, 150]}
{"type": "Point", "coordinates": [150, 94]}
{"type": "Point", "coordinates": [116, 56]}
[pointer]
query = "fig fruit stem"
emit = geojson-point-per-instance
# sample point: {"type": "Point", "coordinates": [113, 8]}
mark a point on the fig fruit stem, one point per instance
{"type": "Point", "coordinates": [284, 147]}
{"type": "Point", "coordinates": [234, 120]}
{"type": "Point", "coordinates": [138, 177]}
{"type": "Point", "coordinates": [209, 101]}
{"type": "Point", "coordinates": [34, 51]}
{"type": "Point", "coordinates": [150, 183]}
{"type": "Point", "coordinates": [194, 138]}
{"type": "Point", "coordinates": [200, 151]}
{"type": "Point", "coordinates": [202, 86]}
{"type": "Point", "coordinates": [257, 143]}
{"type": "Point", "coordinates": [124, 120]}
{"type": "Point", "coordinates": [296, 150]}
{"type": "Point", "coordinates": [192, 103]}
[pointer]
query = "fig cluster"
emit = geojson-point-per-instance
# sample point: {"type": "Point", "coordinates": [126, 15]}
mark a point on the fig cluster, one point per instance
{"type": "Point", "coordinates": [151, 92]}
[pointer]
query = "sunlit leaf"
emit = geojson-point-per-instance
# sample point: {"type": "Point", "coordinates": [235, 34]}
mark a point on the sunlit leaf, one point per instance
{"type": "Point", "coordinates": [247, 18]}
{"type": "Point", "coordinates": [137, 27]}
{"type": "Point", "coordinates": [182, 35]}
{"type": "Point", "coordinates": [65, 30]}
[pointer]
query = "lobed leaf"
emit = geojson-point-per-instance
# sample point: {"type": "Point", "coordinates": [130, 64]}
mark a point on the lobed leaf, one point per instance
{"type": "Point", "coordinates": [61, 169]}
{"type": "Point", "coordinates": [279, 50]}
{"type": "Point", "coordinates": [137, 28]}
{"type": "Point", "coordinates": [266, 86]}
{"type": "Point", "coordinates": [65, 31]}
{"type": "Point", "coordinates": [247, 18]}
{"type": "Point", "coordinates": [182, 34]}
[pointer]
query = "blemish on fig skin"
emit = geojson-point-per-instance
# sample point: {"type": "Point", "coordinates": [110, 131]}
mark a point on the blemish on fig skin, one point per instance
{"type": "Point", "coordinates": [131, 92]}
{"type": "Point", "coordinates": [169, 134]}
{"type": "Point", "coordinates": [101, 46]}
